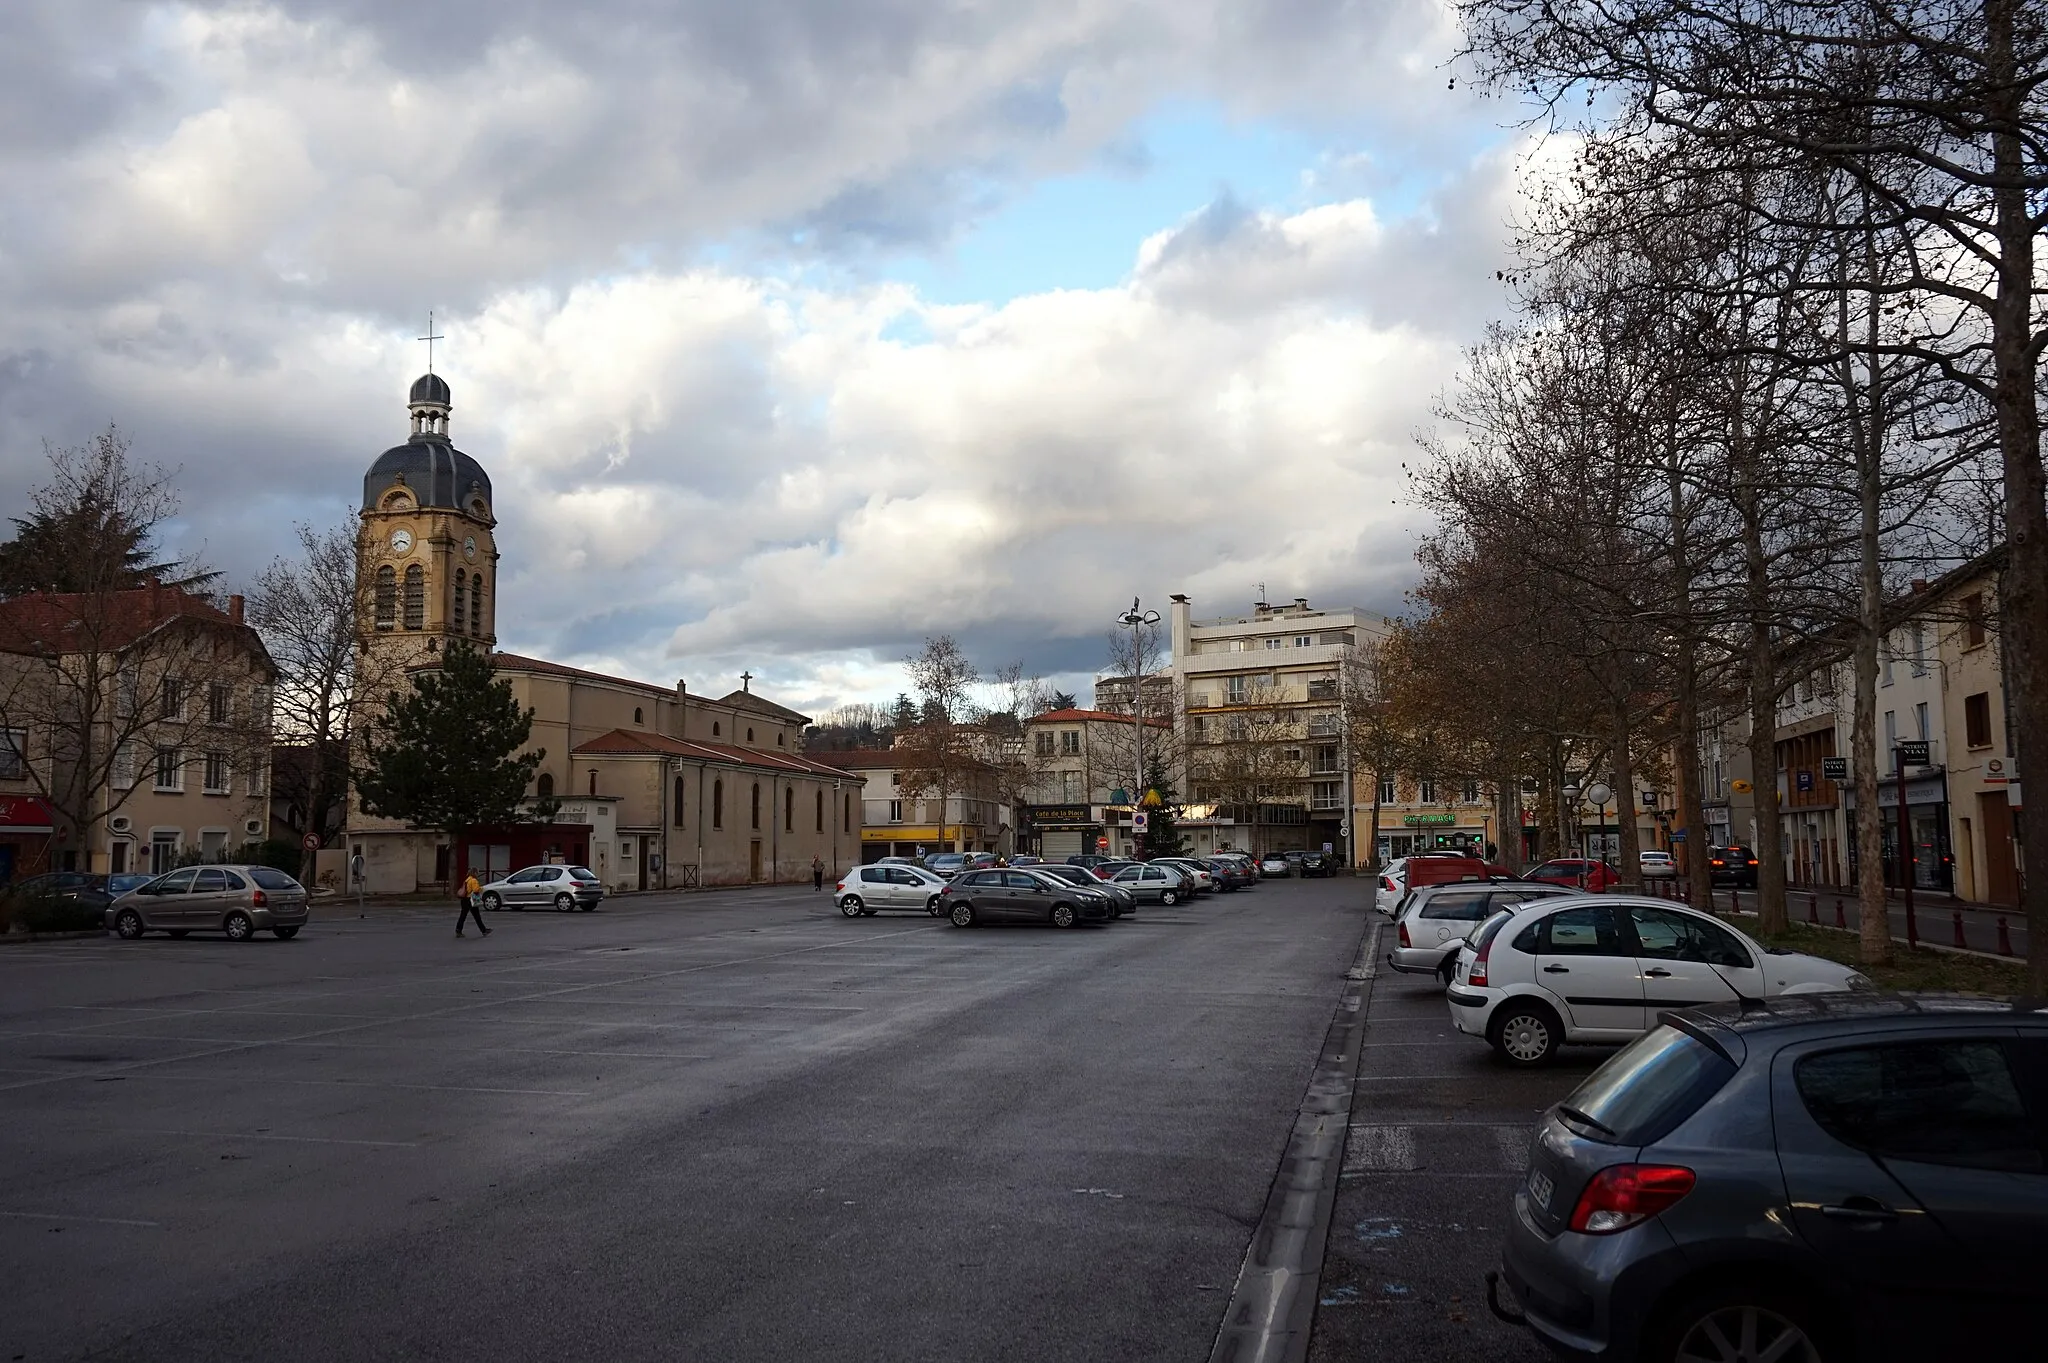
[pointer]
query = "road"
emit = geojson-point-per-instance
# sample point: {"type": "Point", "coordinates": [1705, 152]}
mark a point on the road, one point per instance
{"type": "Point", "coordinates": [732, 1126]}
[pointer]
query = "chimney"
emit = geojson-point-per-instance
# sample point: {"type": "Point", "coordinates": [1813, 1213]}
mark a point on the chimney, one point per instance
{"type": "Point", "coordinates": [1179, 596]}
{"type": "Point", "coordinates": [235, 609]}
{"type": "Point", "coordinates": [1301, 602]}
{"type": "Point", "coordinates": [682, 688]}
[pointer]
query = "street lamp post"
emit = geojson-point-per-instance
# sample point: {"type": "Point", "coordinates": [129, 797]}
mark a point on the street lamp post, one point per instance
{"type": "Point", "coordinates": [1570, 791]}
{"type": "Point", "coordinates": [1137, 619]}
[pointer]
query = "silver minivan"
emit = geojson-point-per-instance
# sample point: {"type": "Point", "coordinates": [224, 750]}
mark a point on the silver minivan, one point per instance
{"type": "Point", "coordinates": [240, 901]}
{"type": "Point", "coordinates": [865, 889]}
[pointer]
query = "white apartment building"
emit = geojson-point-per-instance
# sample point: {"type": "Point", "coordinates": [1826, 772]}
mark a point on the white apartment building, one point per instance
{"type": "Point", "coordinates": [1260, 722]}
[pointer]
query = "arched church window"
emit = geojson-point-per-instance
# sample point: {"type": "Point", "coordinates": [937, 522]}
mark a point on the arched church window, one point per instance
{"type": "Point", "coordinates": [461, 599]}
{"type": "Point", "coordinates": [636, 716]}
{"type": "Point", "coordinates": [718, 804]}
{"type": "Point", "coordinates": [476, 606]}
{"type": "Point", "coordinates": [415, 597]}
{"type": "Point", "coordinates": [788, 810]}
{"type": "Point", "coordinates": [679, 802]}
{"type": "Point", "coordinates": [846, 811]}
{"type": "Point", "coordinates": [387, 597]}
{"type": "Point", "coordinates": [546, 786]}
{"type": "Point", "coordinates": [714, 728]}
{"type": "Point", "coordinates": [750, 735]}
{"type": "Point", "coordinates": [821, 811]}
{"type": "Point", "coordinates": [757, 804]}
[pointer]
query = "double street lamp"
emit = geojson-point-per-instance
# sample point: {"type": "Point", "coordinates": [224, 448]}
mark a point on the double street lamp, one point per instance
{"type": "Point", "coordinates": [1137, 619]}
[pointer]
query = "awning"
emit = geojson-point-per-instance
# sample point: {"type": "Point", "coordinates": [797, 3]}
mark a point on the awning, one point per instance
{"type": "Point", "coordinates": [25, 814]}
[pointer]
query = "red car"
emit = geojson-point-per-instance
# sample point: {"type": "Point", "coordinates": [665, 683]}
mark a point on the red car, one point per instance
{"type": "Point", "coordinates": [1579, 872]}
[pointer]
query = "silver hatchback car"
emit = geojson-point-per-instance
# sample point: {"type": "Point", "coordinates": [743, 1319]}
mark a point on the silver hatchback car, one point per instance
{"type": "Point", "coordinates": [564, 888]}
{"type": "Point", "coordinates": [240, 901]}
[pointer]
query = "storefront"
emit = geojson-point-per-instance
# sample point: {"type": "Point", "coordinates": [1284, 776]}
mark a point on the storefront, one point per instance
{"type": "Point", "coordinates": [27, 826]}
{"type": "Point", "coordinates": [1432, 833]}
{"type": "Point", "coordinates": [920, 840]}
{"type": "Point", "coordinates": [1933, 861]}
{"type": "Point", "coordinates": [1057, 832]}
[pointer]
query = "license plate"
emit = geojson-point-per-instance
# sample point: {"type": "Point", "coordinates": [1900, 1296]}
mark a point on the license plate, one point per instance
{"type": "Point", "coordinates": [1540, 1189]}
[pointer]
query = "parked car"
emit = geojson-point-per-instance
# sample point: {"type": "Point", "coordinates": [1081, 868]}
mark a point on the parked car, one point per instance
{"type": "Point", "coordinates": [81, 887]}
{"type": "Point", "coordinates": [975, 897]}
{"type": "Point", "coordinates": [124, 881]}
{"type": "Point", "coordinates": [1104, 869]}
{"type": "Point", "coordinates": [1088, 861]}
{"type": "Point", "coordinates": [1027, 861]}
{"type": "Point", "coordinates": [1125, 902]}
{"type": "Point", "coordinates": [1391, 885]}
{"type": "Point", "coordinates": [1658, 865]}
{"type": "Point", "coordinates": [563, 888]}
{"type": "Point", "coordinates": [1273, 866]}
{"type": "Point", "coordinates": [1732, 865]}
{"type": "Point", "coordinates": [1308, 863]}
{"type": "Point", "coordinates": [1230, 873]}
{"type": "Point", "coordinates": [946, 865]}
{"type": "Point", "coordinates": [240, 901]}
{"type": "Point", "coordinates": [1822, 1177]}
{"type": "Point", "coordinates": [1581, 873]}
{"type": "Point", "coordinates": [1152, 883]}
{"type": "Point", "coordinates": [980, 861]}
{"type": "Point", "coordinates": [1435, 920]}
{"type": "Point", "coordinates": [1581, 968]}
{"type": "Point", "coordinates": [888, 885]}
{"type": "Point", "coordinates": [1202, 879]}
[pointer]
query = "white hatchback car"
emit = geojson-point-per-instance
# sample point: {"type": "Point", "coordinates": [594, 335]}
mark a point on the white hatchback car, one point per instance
{"type": "Point", "coordinates": [1603, 968]}
{"type": "Point", "coordinates": [1391, 886]}
{"type": "Point", "coordinates": [884, 885]}
{"type": "Point", "coordinates": [1657, 865]}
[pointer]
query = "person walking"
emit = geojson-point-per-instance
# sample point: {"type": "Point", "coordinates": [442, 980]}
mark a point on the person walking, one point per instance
{"type": "Point", "coordinates": [470, 906]}
{"type": "Point", "coordinates": [817, 874]}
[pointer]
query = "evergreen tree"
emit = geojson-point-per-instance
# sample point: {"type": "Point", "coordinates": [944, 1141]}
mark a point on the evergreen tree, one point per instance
{"type": "Point", "coordinates": [903, 718]}
{"type": "Point", "coordinates": [1163, 837]}
{"type": "Point", "coordinates": [1060, 700]}
{"type": "Point", "coordinates": [92, 528]}
{"type": "Point", "coordinates": [442, 758]}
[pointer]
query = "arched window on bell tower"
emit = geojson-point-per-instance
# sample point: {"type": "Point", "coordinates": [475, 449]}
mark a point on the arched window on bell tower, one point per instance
{"type": "Point", "coordinates": [461, 616]}
{"type": "Point", "coordinates": [415, 597]}
{"type": "Point", "coordinates": [476, 605]}
{"type": "Point", "coordinates": [387, 597]}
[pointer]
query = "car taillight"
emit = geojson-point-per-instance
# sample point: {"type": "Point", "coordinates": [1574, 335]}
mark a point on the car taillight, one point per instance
{"type": "Point", "coordinates": [259, 899]}
{"type": "Point", "coordinates": [1623, 1195]}
{"type": "Point", "coordinates": [840, 888]}
{"type": "Point", "coordinates": [1404, 936]}
{"type": "Point", "coordinates": [1387, 884]}
{"type": "Point", "coordinates": [1478, 975]}
{"type": "Point", "coordinates": [947, 888]}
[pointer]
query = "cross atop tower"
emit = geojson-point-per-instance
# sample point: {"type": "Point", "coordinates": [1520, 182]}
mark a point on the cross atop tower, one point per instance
{"type": "Point", "coordinates": [430, 338]}
{"type": "Point", "coordinates": [747, 682]}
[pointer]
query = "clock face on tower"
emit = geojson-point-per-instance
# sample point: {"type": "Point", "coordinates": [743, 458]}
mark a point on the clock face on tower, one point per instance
{"type": "Point", "coordinates": [469, 546]}
{"type": "Point", "coordinates": [401, 541]}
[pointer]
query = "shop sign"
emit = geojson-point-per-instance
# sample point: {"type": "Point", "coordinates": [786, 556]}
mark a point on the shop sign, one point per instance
{"type": "Point", "coordinates": [1834, 768]}
{"type": "Point", "coordinates": [1428, 820]}
{"type": "Point", "coordinates": [1044, 815]}
{"type": "Point", "coordinates": [25, 814]}
{"type": "Point", "coordinates": [1804, 780]}
{"type": "Point", "coordinates": [1913, 752]}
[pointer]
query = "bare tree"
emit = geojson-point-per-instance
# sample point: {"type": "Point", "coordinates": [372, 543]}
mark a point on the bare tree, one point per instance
{"type": "Point", "coordinates": [938, 749]}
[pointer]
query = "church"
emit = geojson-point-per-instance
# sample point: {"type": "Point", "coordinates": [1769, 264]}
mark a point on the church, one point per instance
{"type": "Point", "coordinates": [652, 787]}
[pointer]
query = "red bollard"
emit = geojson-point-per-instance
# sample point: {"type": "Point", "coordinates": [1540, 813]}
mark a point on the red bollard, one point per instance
{"type": "Point", "coordinates": [1959, 929]}
{"type": "Point", "coordinates": [1841, 921]}
{"type": "Point", "coordinates": [2004, 938]}
{"type": "Point", "coordinates": [1813, 908]}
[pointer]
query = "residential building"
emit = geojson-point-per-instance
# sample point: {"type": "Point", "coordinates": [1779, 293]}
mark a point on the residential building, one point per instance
{"type": "Point", "coordinates": [134, 730]}
{"type": "Point", "coordinates": [1082, 765]}
{"type": "Point", "coordinates": [1259, 718]}
{"type": "Point", "coordinates": [900, 822]}
{"type": "Point", "coordinates": [1983, 780]}
{"type": "Point", "coordinates": [1115, 695]}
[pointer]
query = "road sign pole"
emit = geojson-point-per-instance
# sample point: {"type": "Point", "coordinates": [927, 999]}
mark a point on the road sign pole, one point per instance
{"type": "Point", "coordinates": [1905, 850]}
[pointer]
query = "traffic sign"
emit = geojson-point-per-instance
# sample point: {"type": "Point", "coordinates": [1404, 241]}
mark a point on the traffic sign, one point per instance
{"type": "Point", "coordinates": [1139, 821]}
{"type": "Point", "coordinates": [1102, 844]}
{"type": "Point", "coordinates": [311, 842]}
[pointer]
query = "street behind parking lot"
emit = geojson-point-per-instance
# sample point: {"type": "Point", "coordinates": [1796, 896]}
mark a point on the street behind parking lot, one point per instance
{"type": "Point", "coordinates": [733, 1126]}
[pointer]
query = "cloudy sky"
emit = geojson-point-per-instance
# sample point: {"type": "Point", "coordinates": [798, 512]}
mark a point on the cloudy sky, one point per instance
{"type": "Point", "coordinates": [790, 330]}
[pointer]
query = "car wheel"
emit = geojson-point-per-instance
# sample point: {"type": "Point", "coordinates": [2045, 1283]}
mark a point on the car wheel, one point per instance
{"type": "Point", "coordinates": [1169, 897]}
{"type": "Point", "coordinates": [492, 902]}
{"type": "Point", "coordinates": [1063, 916]}
{"type": "Point", "coordinates": [179, 933]}
{"type": "Point", "coordinates": [565, 903]}
{"type": "Point", "coordinates": [850, 906]}
{"type": "Point", "coordinates": [1448, 971]}
{"type": "Point", "coordinates": [1740, 1321]}
{"type": "Point", "coordinates": [1525, 1034]}
{"type": "Point", "coordinates": [238, 926]}
{"type": "Point", "coordinates": [962, 915]}
{"type": "Point", "coordinates": [128, 925]}
{"type": "Point", "coordinates": [934, 906]}
{"type": "Point", "coordinates": [286, 934]}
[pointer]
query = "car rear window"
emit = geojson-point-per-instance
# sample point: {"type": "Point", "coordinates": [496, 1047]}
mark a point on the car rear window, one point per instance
{"type": "Point", "coordinates": [1465, 908]}
{"type": "Point", "coordinates": [1492, 929]}
{"type": "Point", "coordinates": [1643, 1093]}
{"type": "Point", "coordinates": [582, 873]}
{"type": "Point", "coordinates": [272, 879]}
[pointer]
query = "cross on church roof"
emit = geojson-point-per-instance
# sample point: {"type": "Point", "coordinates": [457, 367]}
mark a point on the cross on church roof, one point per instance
{"type": "Point", "coordinates": [746, 678]}
{"type": "Point", "coordinates": [430, 338]}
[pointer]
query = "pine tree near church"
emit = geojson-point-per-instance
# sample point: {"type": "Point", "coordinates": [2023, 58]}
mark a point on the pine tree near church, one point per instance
{"type": "Point", "coordinates": [1163, 837]}
{"type": "Point", "coordinates": [442, 758]}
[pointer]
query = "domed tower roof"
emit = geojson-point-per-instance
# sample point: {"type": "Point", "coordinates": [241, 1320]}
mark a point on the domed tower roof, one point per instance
{"type": "Point", "coordinates": [433, 470]}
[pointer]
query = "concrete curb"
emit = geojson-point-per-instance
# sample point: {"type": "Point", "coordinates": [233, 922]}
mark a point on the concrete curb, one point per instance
{"type": "Point", "coordinates": [1272, 1308]}
{"type": "Point", "coordinates": [17, 938]}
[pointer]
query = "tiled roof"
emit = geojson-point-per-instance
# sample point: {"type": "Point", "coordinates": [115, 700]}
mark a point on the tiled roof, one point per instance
{"type": "Point", "coordinates": [747, 700]}
{"type": "Point", "coordinates": [875, 759]}
{"type": "Point", "coordinates": [513, 662]}
{"type": "Point", "coordinates": [638, 742]}
{"type": "Point", "coordinates": [1075, 716]}
{"type": "Point", "coordinates": [73, 622]}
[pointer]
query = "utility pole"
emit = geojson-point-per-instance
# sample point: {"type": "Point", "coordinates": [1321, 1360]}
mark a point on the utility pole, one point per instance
{"type": "Point", "coordinates": [1138, 620]}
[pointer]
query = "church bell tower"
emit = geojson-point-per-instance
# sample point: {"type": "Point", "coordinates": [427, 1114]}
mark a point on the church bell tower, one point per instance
{"type": "Point", "coordinates": [426, 553]}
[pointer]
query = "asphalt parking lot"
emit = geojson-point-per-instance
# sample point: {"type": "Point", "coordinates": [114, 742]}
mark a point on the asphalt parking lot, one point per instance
{"type": "Point", "coordinates": [733, 1126]}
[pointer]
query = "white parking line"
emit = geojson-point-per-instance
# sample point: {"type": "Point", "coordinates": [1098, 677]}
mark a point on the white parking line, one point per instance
{"type": "Point", "coordinates": [92, 1220]}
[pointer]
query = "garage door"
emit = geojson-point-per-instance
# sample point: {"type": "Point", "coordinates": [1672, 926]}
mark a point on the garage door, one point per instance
{"type": "Point", "coordinates": [1057, 843]}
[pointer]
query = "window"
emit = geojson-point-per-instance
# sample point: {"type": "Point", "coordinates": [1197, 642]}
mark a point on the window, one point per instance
{"type": "Point", "coordinates": [677, 803]}
{"type": "Point", "coordinates": [1977, 719]}
{"type": "Point", "coordinates": [1937, 1102]}
{"type": "Point", "coordinates": [714, 728]}
{"type": "Point", "coordinates": [1891, 740]}
{"type": "Point", "coordinates": [1235, 729]}
{"type": "Point", "coordinates": [1885, 665]}
{"type": "Point", "coordinates": [415, 596]}
{"type": "Point", "coordinates": [259, 709]}
{"type": "Point", "coordinates": [821, 811]}
{"type": "Point", "coordinates": [171, 698]}
{"type": "Point", "coordinates": [1459, 906]}
{"type": "Point", "coordinates": [461, 599]}
{"type": "Point", "coordinates": [387, 597]}
{"type": "Point", "coordinates": [1581, 932]}
{"type": "Point", "coordinates": [1324, 757]}
{"type": "Point", "coordinates": [1386, 790]}
{"type": "Point", "coordinates": [1327, 794]}
{"type": "Point", "coordinates": [1667, 936]}
{"type": "Point", "coordinates": [788, 810]}
{"type": "Point", "coordinates": [846, 812]}
{"type": "Point", "coordinates": [121, 771]}
{"type": "Point", "coordinates": [14, 754]}
{"type": "Point", "coordinates": [1198, 727]}
{"type": "Point", "coordinates": [1233, 690]}
{"type": "Point", "coordinates": [163, 853]}
{"type": "Point", "coordinates": [1973, 620]}
{"type": "Point", "coordinates": [1427, 792]}
{"type": "Point", "coordinates": [218, 703]}
{"type": "Point", "coordinates": [718, 804]}
{"type": "Point", "coordinates": [637, 712]}
{"type": "Point", "coordinates": [1920, 718]}
{"type": "Point", "coordinates": [1273, 643]}
{"type": "Point", "coordinates": [1042, 744]}
{"type": "Point", "coordinates": [1304, 640]}
{"type": "Point", "coordinates": [778, 739]}
{"type": "Point", "coordinates": [545, 787]}
{"type": "Point", "coordinates": [755, 811]}
{"type": "Point", "coordinates": [895, 811]}
{"type": "Point", "coordinates": [476, 605]}
{"type": "Point", "coordinates": [1916, 646]}
{"type": "Point", "coordinates": [1470, 794]}
{"type": "Point", "coordinates": [1322, 688]}
{"type": "Point", "coordinates": [216, 773]}
{"type": "Point", "coordinates": [170, 769]}
{"type": "Point", "coordinates": [750, 735]}
{"type": "Point", "coordinates": [257, 772]}
{"type": "Point", "coordinates": [1070, 742]}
